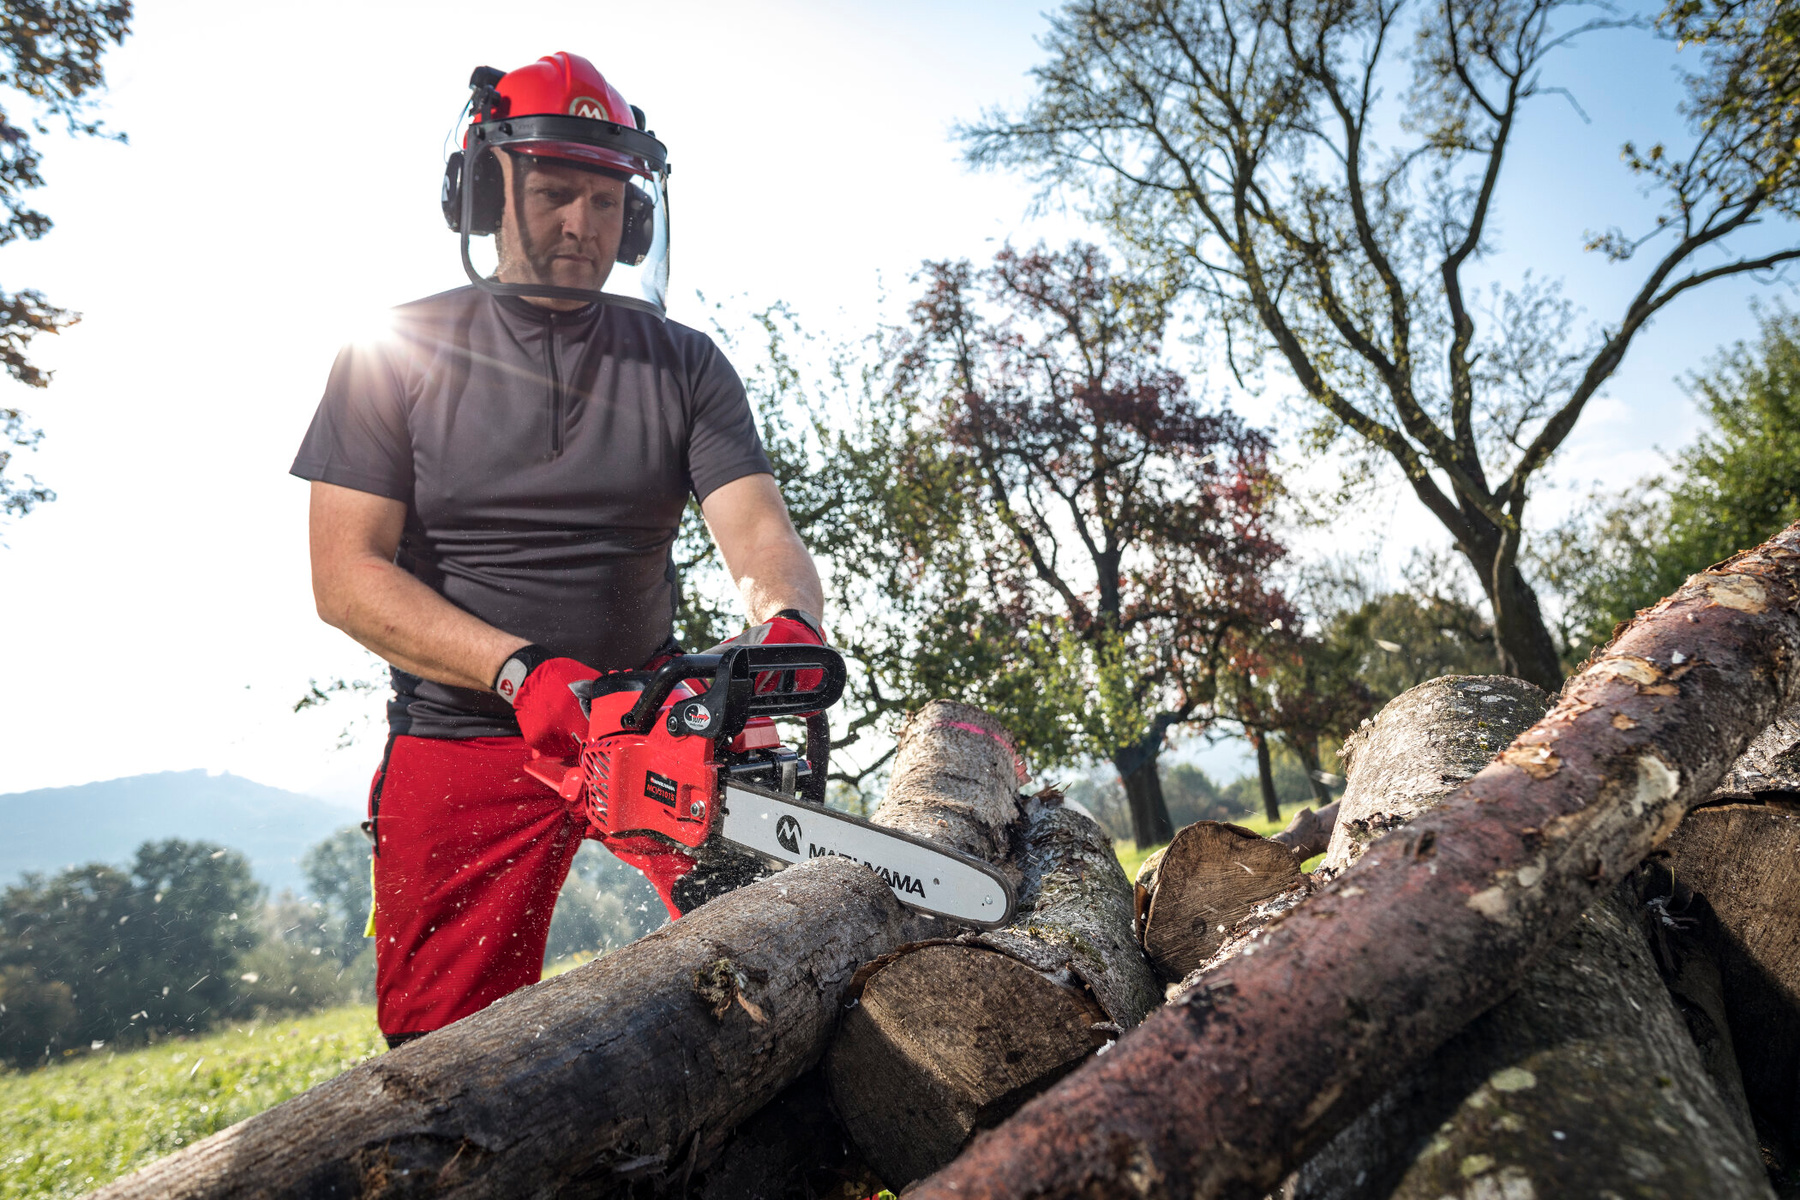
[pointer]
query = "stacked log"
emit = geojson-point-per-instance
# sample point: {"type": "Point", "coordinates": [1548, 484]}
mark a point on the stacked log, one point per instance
{"type": "Point", "coordinates": [950, 1036]}
{"type": "Point", "coordinates": [1278, 1050]}
{"type": "Point", "coordinates": [1726, 917]}
{"type": "Point", "coordinates": [623, 1076]}
{"type": "Point", "coordinates": [1463, 1002]}
{"type": "Point", "coordinates": [1197, 890]}
{"type": "Point", "coordinates": [1570, 1086]}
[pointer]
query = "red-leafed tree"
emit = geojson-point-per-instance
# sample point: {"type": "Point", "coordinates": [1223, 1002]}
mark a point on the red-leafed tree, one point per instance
{"type": "Point", "coordinates": [1067, 533]}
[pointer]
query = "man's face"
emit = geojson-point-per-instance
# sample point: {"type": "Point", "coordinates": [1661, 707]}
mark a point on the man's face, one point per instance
{"type": "Point", "coordinates": [561, 226]}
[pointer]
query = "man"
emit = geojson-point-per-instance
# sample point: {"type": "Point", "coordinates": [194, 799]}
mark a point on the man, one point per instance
{"type": "Point", "coordinates": [495, 492]}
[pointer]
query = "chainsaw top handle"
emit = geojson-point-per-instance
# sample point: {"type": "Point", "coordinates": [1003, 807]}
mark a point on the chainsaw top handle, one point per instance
{"type": "Point", "coordinates": [732, 698]}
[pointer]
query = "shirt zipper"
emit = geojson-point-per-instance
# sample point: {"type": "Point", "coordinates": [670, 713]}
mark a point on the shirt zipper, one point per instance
{"type": "Point", "coordinates": [556, 392]}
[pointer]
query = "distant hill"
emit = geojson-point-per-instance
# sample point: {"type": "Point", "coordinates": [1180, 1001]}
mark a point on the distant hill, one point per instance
{"type": "Point", "coordinates": [53, 828]}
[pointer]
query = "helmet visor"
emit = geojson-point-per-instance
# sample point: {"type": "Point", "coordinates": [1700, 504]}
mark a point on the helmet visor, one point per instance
{"type": "Point", "coordinates": [551, 217]}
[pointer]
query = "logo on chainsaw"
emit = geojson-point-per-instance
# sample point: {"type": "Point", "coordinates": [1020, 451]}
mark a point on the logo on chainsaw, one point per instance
{"type": "Point", "coordinates": [659, 788]}
{"type": "Point", "coordinates": [787, 832]}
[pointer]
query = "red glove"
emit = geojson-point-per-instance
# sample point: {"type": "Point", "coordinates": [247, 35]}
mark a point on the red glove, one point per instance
{"type": "Point", "coordinates": [537, 686]}
{"type": "Point", "coordinates": [788, 627]}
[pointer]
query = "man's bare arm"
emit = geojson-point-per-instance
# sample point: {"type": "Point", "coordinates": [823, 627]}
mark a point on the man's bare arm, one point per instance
{"type": "Point", "coordinates": [766, 558]}
{"type": "Point", "coordinates": [359, 590]}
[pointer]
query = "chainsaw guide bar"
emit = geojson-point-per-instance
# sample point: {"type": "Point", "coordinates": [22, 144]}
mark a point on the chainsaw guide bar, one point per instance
{"type": "Point", "coordinates": [922, 874]}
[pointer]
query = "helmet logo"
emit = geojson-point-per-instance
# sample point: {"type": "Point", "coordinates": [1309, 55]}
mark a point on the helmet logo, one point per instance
{"type": "Point", "coordinates": [587, 106]}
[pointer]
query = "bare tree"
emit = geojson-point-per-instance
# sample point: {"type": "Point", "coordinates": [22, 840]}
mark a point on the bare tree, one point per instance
{"type": "Point", "coordinates": [1252, 151]}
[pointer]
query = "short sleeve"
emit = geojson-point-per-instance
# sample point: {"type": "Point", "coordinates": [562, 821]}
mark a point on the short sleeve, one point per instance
{"type": "Point", "coordinates": [359, 437]}
{"type": "Point", "coordinates": [723, 444]}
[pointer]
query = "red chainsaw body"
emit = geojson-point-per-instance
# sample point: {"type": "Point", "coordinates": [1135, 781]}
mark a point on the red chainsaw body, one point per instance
{"type": "Point", "coordinates": [650, 782]}
{"type": "Point", "coordinates": [629, 783]}
{"type": "Point", "coordinates": [660, 743]}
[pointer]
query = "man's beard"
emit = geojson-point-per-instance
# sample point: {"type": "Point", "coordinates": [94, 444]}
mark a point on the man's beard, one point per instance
{"type": "Point", "coordinates": [541, 265]}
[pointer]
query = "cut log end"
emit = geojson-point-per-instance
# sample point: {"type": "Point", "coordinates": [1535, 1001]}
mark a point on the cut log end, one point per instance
{"type": "Point", "coordinates": [1211, 876]}
{"type": "Point", "coordinates": [948, 1040]}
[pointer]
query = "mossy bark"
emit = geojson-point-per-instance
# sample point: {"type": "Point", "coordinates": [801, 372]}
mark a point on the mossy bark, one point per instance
{"type": "Point", "coordinates": [1584, 1082]}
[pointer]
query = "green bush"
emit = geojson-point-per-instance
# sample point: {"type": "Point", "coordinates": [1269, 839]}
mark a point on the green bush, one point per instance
{"type": "Point", "coordinates": [34, 1013]}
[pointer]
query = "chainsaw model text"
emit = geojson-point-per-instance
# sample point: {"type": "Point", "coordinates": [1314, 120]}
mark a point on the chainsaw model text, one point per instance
{"type": "Point", "coordinates": [706, 769]}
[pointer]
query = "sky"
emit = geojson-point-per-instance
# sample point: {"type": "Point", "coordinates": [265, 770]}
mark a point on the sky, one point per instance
{"type": "Point", "coordinates": [279, 191]}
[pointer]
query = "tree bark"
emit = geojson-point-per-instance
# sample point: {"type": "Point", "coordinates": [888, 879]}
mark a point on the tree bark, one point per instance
{"type": "Point", "coordinates": [622, 1077]}
{"type": "Point", "coordinates": [1770, 766]}
{"type": "Point", "coordinates": [1571, 1085]}
{"type": "Point", "coordinates": [1584, 1082]}
{"type": "Point", "coordinates": [1278, 1051]}
{"type": "Point", "coordinates": [951, 1036]}
{"type": "Point", "coordinates": [1735, 874]}
{"type": "Point", "coordinates": [1265, 775]}
{"type": "Point", "coordinates": [1423, 745]}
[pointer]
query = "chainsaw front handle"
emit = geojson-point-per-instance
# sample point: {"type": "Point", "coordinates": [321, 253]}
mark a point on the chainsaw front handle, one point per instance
{"type": "Point", "coordinates": [732, 698]}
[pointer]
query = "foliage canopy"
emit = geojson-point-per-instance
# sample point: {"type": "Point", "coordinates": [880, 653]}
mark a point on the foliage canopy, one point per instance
{"type": "Point", "coordinates": [50, 52]}
{"type": "Point", "coordinates": [1250, 154]}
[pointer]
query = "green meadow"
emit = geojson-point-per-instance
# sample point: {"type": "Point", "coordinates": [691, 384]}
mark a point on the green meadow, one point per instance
{"type": "Point", "coordinates": [68, 1128]}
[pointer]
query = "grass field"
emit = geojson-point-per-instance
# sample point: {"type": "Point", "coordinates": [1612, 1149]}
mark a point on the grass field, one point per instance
{"type": "Point", "coordinates": [68, 1128]}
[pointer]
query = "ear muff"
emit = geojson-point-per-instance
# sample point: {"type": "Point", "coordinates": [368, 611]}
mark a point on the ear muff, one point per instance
{"type": "Point", "coordinates": [450, 199]}
{"type": "Point", "coordinates": [489, 198]}
{"type": "Point", "coordinates": [640, 226]}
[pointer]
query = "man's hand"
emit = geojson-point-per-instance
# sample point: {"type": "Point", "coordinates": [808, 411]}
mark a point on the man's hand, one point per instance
{"type": "Point", "coordinates": [789, 627]}
{"type": "Point", "coordinates": [537, 686]}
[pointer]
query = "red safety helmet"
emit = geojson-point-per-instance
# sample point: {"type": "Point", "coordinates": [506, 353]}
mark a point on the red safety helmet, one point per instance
{"type": "Point", "coordinates": [564, 84]}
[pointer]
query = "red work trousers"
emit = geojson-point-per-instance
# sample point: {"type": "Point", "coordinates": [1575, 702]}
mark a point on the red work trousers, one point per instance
{"type": "Point", "coordinates": [470, 853]}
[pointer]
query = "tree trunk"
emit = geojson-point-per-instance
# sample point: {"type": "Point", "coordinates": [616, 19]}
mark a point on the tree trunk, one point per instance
{"type": "Point", "coordinates": [1521, 639]}
{"type": "Point", "coordinates": [955, 779]}
{"type": "Point", "coordinates": [1150, 822]}
{"type": "Point", "coordinates": [1278, 1051]}
{"type": "Point", "coordinates": [951, 1036]}
{"type": "Point", "coordinates": [1589, 1058]}
{"type": "Point", "coordinates": [1584, 1082]}
{"type": "Point", "coordinates": [624, 1076]}
{"type": "Point", "coordinates": [1736, 873]}
{"type": "Point", "coordinates": [1771, 765]}
{"type": "Point", "coordinates": [1307, 750]}
{"type": "Point", "coordinates": [1265, 775]}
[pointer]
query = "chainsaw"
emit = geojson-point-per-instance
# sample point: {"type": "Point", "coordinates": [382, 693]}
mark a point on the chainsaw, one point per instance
{"type": "Point", "coordinates": [707, 770]}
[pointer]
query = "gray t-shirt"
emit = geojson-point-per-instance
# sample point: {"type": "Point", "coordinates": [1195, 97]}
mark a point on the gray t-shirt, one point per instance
{"type": "Point", "coordinates": [544, 459]}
